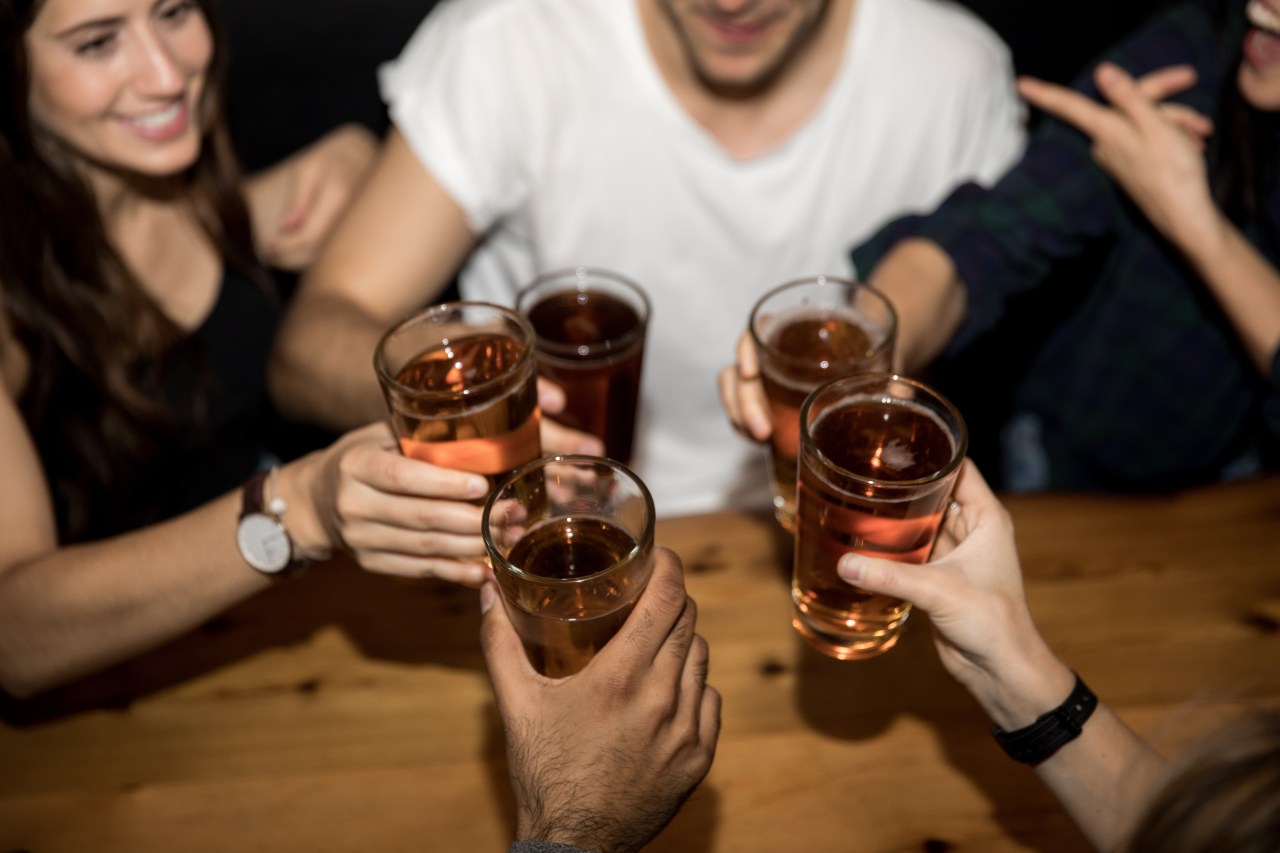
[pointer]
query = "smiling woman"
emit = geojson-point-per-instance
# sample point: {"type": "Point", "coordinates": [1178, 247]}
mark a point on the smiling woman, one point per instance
{"type": "Point", "coordinates": [1259, 78]}
{"type": "Point", "coordinates": [135, 320]}
{"type": "Point", "coordinates": [104, 84]}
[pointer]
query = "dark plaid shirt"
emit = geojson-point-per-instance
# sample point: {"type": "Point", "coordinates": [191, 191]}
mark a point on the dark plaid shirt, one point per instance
{"type": "Point", "coordinates": [1080, 313]}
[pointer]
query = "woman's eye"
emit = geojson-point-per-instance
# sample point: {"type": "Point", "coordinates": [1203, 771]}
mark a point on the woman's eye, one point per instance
{"type": "Point", "coordinates": [96, 47]}
{"type": "Point", "coordinates": [177, 11]}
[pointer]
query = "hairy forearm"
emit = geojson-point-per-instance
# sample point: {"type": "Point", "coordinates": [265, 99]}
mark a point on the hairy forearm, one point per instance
{"type": "Point", "coordinates": [919, 279]}
{"type": "Point", "coordinates": [82, 608]}
{"type": "Point", "coordinates": [321, 371]}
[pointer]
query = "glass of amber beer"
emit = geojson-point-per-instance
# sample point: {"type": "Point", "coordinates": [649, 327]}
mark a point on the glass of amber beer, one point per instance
{"type": "Point", "coordinates": [879, 455]}
{"type": "Point", "coordinates": [590, 327]}
{"type": "Point", "coordinates": [461, 387]}
{"type": "Point", "coordinates": [807, 332]}
{"type": "Point", "coordinates": [570, 539]}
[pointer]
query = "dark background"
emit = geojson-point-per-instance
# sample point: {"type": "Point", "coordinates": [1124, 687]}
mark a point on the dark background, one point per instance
{"type": "Point", "coordinates": [301, 67]}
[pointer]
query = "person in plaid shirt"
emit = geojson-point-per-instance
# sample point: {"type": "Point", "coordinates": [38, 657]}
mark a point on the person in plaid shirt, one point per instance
{"type": "Point", "coordinates": [1107, 315]}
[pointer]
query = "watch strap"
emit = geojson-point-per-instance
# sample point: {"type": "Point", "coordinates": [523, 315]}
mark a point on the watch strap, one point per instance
{"type": "Point", "coordinates": [253, 502]}
{"type": "Point", "coordinates": [1051, 730]}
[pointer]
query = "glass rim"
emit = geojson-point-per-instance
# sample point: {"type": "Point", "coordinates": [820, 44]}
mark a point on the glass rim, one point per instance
{"type": "Point", "coordinates": [643, 541]}
{"type": "Point", "coordinates": [957, 456]}
{"type": "Point", "coordinates": [890, 330]}
{"type": "Point", "coordinates": [585, 275]}
{"type": "Point", "coordinates": [389, 380]}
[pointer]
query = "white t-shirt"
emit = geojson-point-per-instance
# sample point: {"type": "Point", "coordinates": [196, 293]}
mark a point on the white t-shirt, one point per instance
{"type": "Point", "coordinates": [551, 126]}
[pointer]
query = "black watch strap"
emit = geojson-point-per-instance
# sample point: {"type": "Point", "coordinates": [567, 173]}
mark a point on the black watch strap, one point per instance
{"type": "Point", "coordinates": [1036, 742]}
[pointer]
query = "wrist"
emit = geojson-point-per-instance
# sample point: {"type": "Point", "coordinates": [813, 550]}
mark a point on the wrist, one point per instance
{"type": "Point", "coordinates": [295, 486]}
{"type": "Point", "coordinates": [1016, 691]}
{"type": "Point", "coordinates": [1206, 246]}
{"type": "Point", "coordinates": [1052, 730]}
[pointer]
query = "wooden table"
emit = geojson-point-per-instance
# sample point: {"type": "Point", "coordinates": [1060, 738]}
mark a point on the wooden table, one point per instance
{"type": "Point", "coordinates": [346, 712]}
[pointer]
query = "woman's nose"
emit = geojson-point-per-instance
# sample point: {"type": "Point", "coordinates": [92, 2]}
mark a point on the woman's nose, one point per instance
{"type": "Point", "coordinates": [158, 73]}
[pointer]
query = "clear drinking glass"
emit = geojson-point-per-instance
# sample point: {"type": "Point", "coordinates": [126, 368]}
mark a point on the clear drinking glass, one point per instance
{"type": "Point", "coordinates": [570, 539]}
{"type": "Point", "coordinates": [461, 387]}
{"type": "Point", "coordinates": [807, 332]}
{"type": "Point", "coordinates": [590, 327]}
{"type": "Point", "coordinates": [879, 456]}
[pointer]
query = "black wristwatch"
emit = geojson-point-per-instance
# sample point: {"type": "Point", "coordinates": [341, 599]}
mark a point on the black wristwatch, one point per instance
{"type": "Point", "coordinates": [264, 541]}
{"type": "Point", "coordinates": [1051, 730]}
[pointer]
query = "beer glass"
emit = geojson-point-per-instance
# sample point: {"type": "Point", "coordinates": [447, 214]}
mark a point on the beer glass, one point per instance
{"type": "Point", "coordinates": [460, 384]}
{"type": "Point", "coordinates": [590, 327]}
{"type": "Point", "coordinates": [807, 332]}
{"type": "Point", "coordinates": [570, 539]}
{"type": "Point", "coordinates": [879, 455]}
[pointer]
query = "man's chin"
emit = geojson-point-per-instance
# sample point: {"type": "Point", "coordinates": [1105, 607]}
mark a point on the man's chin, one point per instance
{"type": "Point", "coordinates": [736, 87]}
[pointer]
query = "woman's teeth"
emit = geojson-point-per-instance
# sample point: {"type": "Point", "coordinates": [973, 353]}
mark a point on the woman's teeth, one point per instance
{"type": "Point", "coordinates": [1263, 16]}
{"type": "Point", "coordinates": [159, 119]}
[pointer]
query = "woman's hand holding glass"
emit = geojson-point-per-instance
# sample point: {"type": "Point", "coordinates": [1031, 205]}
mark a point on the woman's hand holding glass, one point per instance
{"type": "Point", "coordinates": [972, 591]}
{"type": "Point", "coordinates": [394, 514]}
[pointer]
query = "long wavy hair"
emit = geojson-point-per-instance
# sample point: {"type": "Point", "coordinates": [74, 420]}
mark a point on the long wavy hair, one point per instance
{"type": "Point", "coordinates": [97, 343]}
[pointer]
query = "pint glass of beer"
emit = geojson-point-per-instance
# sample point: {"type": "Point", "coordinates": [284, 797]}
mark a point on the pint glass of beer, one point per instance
{"type": "Point", "coordinates": [570, 539]}
{"type": "Point", "coordinates": [590, 327]}
{"type": "Point", "coordinates": [879, 455]}
{"type": "Point", "coordinates": [461, 387]}
{"type": "Point", "coordinates": [807, 332]}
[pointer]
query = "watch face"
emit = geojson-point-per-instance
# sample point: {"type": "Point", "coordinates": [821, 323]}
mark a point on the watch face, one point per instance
{"type": "Point", "coordinates": [263, 542]}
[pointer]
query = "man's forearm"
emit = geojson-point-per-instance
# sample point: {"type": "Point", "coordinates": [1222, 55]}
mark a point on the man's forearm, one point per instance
{"type": "Point", "coordinates": [919, 279]}
{"type": "Point", "coordinates": [321, 371]}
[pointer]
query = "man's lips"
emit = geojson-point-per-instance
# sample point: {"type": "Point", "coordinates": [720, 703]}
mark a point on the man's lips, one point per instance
{"type": "Point", "coordinates": [737, 32]}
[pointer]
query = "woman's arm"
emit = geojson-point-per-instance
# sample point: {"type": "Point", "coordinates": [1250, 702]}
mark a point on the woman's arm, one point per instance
{"type": "Point", "coordinates": [66, 611]}
{"type": "Point", "coordinates": [972, 591]}
{"type": "Point", "coordinates": [1154, 151]}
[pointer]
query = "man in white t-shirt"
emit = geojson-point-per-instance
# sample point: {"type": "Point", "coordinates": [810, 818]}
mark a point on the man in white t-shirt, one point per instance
{"type": "Point", "coordinates": [707, 149]}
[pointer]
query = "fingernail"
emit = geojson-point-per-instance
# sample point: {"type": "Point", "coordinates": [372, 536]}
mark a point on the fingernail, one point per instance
{"type": "Point", "coordinates": [850, 567]}
{"type": "Point", "coordinates": [1108, 73]}
{"type": "Point", "coordinates": [477, 487]}
{"type": "Point", "coordinates": [591, 447]}
{"type": "Point", "coordinates": [488, 595]}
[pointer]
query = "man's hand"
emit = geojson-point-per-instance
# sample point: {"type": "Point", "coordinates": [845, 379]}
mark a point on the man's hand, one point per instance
{"type": "Point", "coordinates": [742, 393]}
{"type": "Point", "coordinates": [603, 759]}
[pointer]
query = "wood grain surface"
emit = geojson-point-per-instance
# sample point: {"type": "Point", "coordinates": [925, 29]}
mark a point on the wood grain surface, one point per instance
{"type": "Point", "coordinates": [344, 711]}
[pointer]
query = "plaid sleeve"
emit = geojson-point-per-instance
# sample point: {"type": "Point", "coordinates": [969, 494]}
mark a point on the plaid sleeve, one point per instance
{"type": "Point", "coordinates": [1055, 203]}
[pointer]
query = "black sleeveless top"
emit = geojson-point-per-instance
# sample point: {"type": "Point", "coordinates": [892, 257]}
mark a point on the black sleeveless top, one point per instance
{"type": "Point", "coordinates": [215, 386]}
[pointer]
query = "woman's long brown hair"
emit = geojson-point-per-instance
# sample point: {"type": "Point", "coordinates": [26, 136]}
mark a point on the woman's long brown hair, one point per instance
{"type": "Point", "coordinates": [96, 341]}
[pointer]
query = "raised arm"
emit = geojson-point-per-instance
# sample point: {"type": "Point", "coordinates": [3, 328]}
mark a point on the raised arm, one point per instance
{"type": "Point", "coordinates": [1154, 150]}
{"type": "Point", "coordinates": [986, 638]}
{"type": "Point", "coordinates": [397, 247]}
